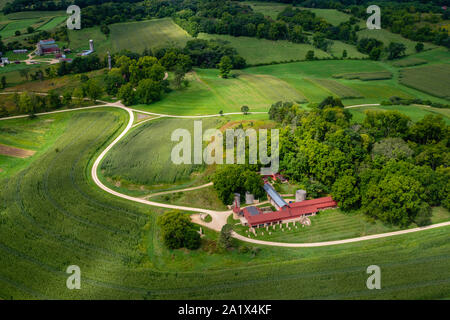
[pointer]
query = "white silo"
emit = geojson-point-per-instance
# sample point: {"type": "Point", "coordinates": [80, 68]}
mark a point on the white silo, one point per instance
{"type": "Point", "coordinates": [300, 195]}
{"type": "Point", "coordinates": [91, 45]}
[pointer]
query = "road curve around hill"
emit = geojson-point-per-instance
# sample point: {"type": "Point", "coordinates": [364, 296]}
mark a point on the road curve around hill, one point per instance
{"type": "Point", "coordinates": [219, 218]}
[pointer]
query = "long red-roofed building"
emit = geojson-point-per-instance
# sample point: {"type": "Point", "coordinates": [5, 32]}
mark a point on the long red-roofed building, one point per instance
{"type": "Point", "coordinates": [257, 218]}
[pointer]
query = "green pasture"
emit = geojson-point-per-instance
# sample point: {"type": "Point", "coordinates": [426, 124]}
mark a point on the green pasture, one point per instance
{"type": "Point", "coordinates": [271, 9]}
{"type": "Point", "coordinates": [137, 36]}
{"type": "Point", "coordinates": [262, 51]}
{"type": "Point", "coordinates": [332, 16]}
{"type": "Point", "coordinates": [53, 216]}
{"type": "Point", "coordinates": [386, 37]}
{"type": "Point", "coordinates": [17, 25]}
{"type": "Point", "coordinates": [415, 112]}
{"type": "Point", "coordinates": [53, 23]}
{"type": "Point", "coordinates": [308, 81]}
{"type": "Point", "coordinates": [201, 198]}
{"type": "Point", "coordinates": [207, 93]}
{"type": "Point", "coordinates": [336, 88]}
{"type": "Point", "coordinates": [327, 225]}
{"type": "Point", "coordinates": [79, 40]}
{"type": "Point", "coordinates": [432, 79]}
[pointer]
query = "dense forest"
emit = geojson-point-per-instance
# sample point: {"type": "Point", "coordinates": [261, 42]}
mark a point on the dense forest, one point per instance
{"type": "Point", "coordinates": [389, 167]}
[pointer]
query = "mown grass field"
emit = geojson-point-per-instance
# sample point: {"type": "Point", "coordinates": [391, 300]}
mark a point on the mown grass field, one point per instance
{"type": "Point", "coordinates": [52, 217]}
{"type": "Point", "coordinates": [271, 9]}
{"type": "Point", "coordinates": [337, 88]}
{"type": "Point", "coordinates": [259, 87]}
{"type": "Point", "coordinates": [262, 51]}
{"type": "Point", "coordinates": [201, 198]}
{"type": "Point", "coordinates": [328, 225]}
{"type": "Point", "coordinates": [431, 79]}
{"type": "Point", "coordinates": [136, 36]}
{"type": "Point", "coordinates": [79, 40]}
{"type": "Point", "coordinates": [416, 113]}
{"type": "Point", "coordinates": [207, 93]}
{"type": "Point", "coordinates": [20, 21]}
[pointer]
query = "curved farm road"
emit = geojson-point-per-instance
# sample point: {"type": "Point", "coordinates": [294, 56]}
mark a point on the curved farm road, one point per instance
{"type": "Point", "coordinates": [219, 218]}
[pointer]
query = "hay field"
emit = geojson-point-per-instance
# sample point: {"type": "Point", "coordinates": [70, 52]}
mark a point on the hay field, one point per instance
{"type": "Point", "coordinates": [433, 79]}
{"type": "Point", "coordinates": [136, 36]}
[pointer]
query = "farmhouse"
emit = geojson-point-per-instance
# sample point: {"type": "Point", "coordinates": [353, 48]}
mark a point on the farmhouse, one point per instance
{"type": "Point", "coordinates": [255, 217]}
{"type": "Point", "coordinates": [47, 47]}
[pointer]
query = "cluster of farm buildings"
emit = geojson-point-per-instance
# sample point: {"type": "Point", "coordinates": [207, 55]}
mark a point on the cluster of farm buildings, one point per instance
{"type": "Point", "coordinates": [49, 47]}
{"type": "Point", "coordinates": [254, 216]}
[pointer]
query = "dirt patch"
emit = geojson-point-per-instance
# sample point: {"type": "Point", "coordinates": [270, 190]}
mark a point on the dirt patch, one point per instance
{"type": "Point", "coordinates": [15, 152]}
{"type": "Point", "coordinates": [142, 116]}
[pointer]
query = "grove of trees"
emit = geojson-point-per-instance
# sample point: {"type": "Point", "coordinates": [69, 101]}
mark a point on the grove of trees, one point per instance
{"type": "Point", "coordinates": [388, 167]}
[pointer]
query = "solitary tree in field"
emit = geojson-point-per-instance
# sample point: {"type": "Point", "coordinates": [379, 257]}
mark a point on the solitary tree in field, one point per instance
{"type": "Point", "coordinates": [225, 238]}
{"type": "Point", "coordinates": [419, 47]}
{"type": "Point", "coordinates": [344, 54]}
{"type": "Point", "coordinates": [24, 73]}
{"type": "Point", "coordinates": [310, 55]}
{"type": "Point", "coordinates": [225, 66]}
{"type": "Point", "coordinates": [93, 90]}
{"type": "Point", "coordinates": [245, 109]}
{"type": "Point", "coordinates": [3, 82]}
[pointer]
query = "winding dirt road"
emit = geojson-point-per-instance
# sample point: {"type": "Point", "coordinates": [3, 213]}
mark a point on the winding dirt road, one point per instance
{"type": "Point", "coordinates": [219, 218]}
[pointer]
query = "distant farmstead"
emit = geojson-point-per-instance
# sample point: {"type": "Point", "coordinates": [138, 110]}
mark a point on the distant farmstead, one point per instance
{"type": "Point", "coordinates": [47, 47]}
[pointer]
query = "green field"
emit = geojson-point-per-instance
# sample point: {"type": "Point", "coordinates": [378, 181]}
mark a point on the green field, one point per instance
{"type": "Point", "coordinates": [431, 79]}
{"type": "Point", "coordinates": [132, 36]}
{"type": "Point", "coordinates": [262, 51]}
{"type": "Point", "coordinates": [271, 9]}
{"type": "Point", "coordinates": [136, 36]}
{"type": "Point", "coordinates": [51, 217]}
{"type": "Point", "coordinates": [143, 158]}
{"type": "Point", "coordinates": [259, 87]}
{"type": "Point", "coordinates": [416, 113]}
{"type": "Point", "coordinates": [336, 88]}
{"type": "Point", "coordinates": [53, 23]}
{"type": "Point", "coordinates": [79, 40]}
{"type": "Point", "coordinates": [386, 37]}
{"type": "Point", "coordinates": [409, 62]}
{"type": "Point", "coordinates": [328, 225]}
{"type": "Point", "coordinates": [201, 198]}
{"type": "Point", "coordinates": [17, 25]}
{"type": "Point", "coordinates": [364, 76]}
{"type": "Point", "coordinates": [207, 93]}
{"type": "Point", "coordinates": [332, 16]}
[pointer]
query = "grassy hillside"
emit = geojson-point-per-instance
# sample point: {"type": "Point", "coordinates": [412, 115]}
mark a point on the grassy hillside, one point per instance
{"type": "Point", "coordinates": [133, 36]}
{"type": "Point", "coordinates": [386, 37]}
{"type": "Point", "coordinates": [55, 218]}
{"type": "Point", "coordinates": [262, 51]}
{"type": "Point", "coordinates": [416, 113]}
{"type": "Point", "coordinates": [136, 36]}
{"type": "Point", "coordinates": [330, 225]}
{"type": "Point", "coordinates": [130, 159]}
{"type": "Point", "coordinates": [430, 79]}
{"type": "Point", "coordinates": [207, 93]}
